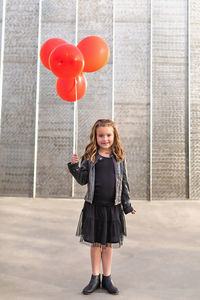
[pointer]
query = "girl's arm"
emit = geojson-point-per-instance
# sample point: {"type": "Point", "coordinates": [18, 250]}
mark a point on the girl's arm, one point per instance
{"type": "Point", "coordinates": [81, 174]}
{"type": "Point", "coordinates": [125, 197]}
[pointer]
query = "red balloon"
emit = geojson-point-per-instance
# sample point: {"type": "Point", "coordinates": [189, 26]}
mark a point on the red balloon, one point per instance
{"type": "Point", "coordinates": [95, 52]}
{"type": "Point", "coordinates": [66, 88]}
{"type": "Point", "coordinates": [47, 48]}
{"type": "Point", "coordinates": [66, 61]}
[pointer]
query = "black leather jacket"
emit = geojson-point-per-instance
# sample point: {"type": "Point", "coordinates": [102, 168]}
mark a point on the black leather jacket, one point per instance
{"type": "Point", "coordinates": [85, 174]}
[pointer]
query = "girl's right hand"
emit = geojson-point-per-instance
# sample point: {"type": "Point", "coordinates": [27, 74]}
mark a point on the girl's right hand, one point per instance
{"type": "Point", "coordinates": [75, 158]}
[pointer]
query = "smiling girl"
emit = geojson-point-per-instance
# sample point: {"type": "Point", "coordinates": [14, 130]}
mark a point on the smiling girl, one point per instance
{"type": "Point", "coordinates": [102, 223]}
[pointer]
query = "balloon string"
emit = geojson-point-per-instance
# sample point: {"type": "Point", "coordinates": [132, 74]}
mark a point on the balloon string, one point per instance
{"type": "Point", "coordinates": [76, 118]}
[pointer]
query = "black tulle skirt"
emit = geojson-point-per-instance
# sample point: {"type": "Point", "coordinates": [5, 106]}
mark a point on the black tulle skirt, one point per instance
{"type": "Point", "coordinates": [101, 225]}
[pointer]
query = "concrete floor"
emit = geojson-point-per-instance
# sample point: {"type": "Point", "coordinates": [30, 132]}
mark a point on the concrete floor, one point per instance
{"type": "Point", "coordinates": [40, 257]}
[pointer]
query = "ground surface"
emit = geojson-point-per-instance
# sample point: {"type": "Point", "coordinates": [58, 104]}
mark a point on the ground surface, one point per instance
{"type": "Point", "coordinates": [40, 257]}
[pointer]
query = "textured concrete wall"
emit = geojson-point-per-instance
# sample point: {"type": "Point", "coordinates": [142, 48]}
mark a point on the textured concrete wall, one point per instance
{"type": "Point", "coordinates": [1, 13]}
{"type": "Point", "coordinates": [55, 128]}
{"type": "Point", "coordinates": [148, 93]}
{"type": "Point", "coordinates": [18, 97]}
{"type": "Point", "coordinates": [194, 96]}
{"type": "Point", "coordinates": [169, 105]}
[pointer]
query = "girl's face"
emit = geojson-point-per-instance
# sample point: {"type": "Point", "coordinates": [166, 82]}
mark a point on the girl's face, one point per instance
{"type": "Point", "coordinates": [105, 137]}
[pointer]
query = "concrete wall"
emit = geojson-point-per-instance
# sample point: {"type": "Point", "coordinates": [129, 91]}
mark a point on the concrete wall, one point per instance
{"type": "Point", "coordinates": [150, 87]}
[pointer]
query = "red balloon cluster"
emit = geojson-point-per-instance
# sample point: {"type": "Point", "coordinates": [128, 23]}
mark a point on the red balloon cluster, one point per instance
{"type": "Point", "coordinates": [68, 63]}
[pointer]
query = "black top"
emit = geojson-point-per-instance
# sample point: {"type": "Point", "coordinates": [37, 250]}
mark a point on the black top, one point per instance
{"type": "Point", "coordinates": [104, 190]}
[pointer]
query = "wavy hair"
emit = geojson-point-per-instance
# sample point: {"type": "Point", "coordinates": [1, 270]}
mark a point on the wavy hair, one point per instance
{"type": "Point", "coordinates": [92, 148]}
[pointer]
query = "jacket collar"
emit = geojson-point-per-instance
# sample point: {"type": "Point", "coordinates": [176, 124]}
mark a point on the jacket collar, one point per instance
{"type": "Point", "coordinates": [98, 157]}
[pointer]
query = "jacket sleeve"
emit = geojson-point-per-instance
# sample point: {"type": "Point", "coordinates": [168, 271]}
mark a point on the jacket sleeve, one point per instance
{"type": "Point", "coordinates": [81, 174]}
{"type": "Point", "coordinates": [125, 197]}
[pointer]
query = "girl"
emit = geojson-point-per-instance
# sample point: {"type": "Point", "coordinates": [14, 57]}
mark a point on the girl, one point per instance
{"type": "Point", "coordinates": [102, 223]}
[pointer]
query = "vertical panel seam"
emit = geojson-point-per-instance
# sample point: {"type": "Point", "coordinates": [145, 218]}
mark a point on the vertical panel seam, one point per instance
{"type": "Point", "coordinates": [151, 54]}
{"type": "Point", "coordinates": [113, 65]}
{"type": "Point", "coordinates": [37, 101]}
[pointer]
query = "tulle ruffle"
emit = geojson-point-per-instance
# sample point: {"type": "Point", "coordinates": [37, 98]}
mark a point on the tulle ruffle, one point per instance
{"type": "Point", "coordinates": [101, 226]}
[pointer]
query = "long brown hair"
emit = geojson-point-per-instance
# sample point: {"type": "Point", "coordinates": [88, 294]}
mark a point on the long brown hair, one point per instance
{"type": "Point", "coordinates": [92, 148]}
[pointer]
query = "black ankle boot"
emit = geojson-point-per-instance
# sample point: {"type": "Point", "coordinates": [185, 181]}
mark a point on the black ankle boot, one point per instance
{"type": "Point", "coordinates": [108, 285]}
{"type": "Point", "coordinates": [93, 285]}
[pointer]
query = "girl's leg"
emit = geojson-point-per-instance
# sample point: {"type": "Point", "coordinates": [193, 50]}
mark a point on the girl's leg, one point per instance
{"type": "Point", "coordinates": [106, 260]}
{"type": "Point", "coordinates": [107, 282]}
{"type": "Point", "coordinates": [95, 253]}
{"type": "Point", "coordinates": [95, 282]}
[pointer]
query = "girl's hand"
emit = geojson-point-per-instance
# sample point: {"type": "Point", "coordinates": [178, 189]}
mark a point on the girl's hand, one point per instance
{"type": "Point", "coordinates": [75, 158]}
{"type": "Point", "coordinates": [133, 212]}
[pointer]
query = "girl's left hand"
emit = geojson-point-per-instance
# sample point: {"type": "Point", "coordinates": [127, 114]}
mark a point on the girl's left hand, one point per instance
{"type": "Point", "coordinates": [133, 212]}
